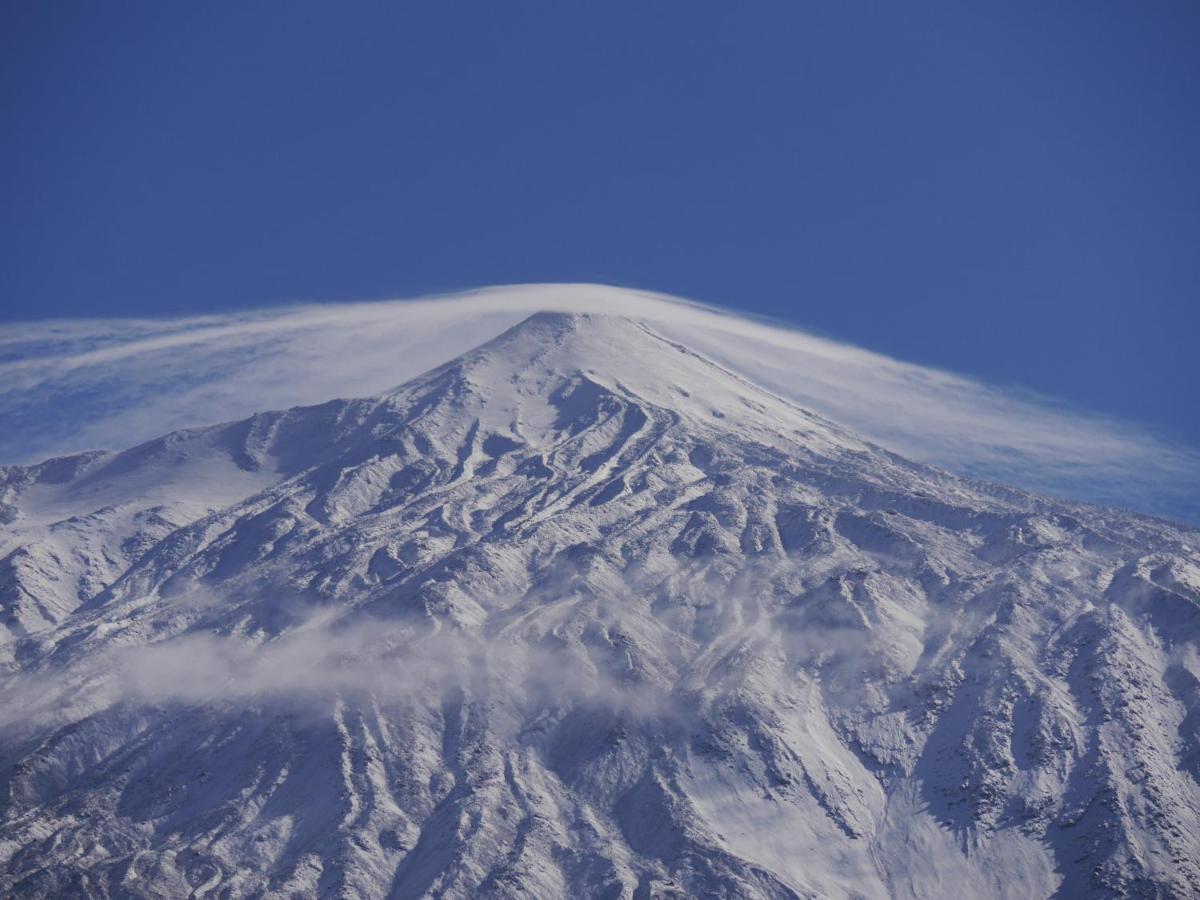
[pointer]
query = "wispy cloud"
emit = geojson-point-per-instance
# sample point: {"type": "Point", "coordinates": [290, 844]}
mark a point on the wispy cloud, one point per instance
{"type": "Point", "coordinates": [322, 657]}
{"type": "Point", "coordinates": [67, 386]}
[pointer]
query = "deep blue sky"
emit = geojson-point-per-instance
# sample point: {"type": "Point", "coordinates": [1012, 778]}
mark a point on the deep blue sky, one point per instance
{"type": "Point", "coordinates": [1010, 190]}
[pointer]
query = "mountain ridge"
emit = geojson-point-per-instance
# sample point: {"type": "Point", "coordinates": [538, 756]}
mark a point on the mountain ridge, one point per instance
{"type": "Point", "coordinates": [581, 612]}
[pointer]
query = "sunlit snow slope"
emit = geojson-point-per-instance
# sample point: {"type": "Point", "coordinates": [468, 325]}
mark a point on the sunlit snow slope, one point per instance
{"type": "Point", "coordinates": [583, 614]}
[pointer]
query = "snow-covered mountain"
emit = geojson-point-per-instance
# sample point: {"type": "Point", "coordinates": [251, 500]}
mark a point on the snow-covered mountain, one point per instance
{"type": "Point", "coordinates": [582, 613]}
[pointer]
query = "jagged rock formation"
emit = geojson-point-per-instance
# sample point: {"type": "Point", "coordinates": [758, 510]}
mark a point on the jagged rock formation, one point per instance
{"type": "Point", "coordinates": [583, 614]}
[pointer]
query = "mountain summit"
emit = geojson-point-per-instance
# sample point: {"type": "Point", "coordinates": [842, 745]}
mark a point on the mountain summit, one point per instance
{"type": "Point", "coordinates": [582, 613]}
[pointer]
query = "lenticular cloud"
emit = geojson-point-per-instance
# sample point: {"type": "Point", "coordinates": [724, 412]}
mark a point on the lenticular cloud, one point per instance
{"type": "Point", "coordinates": [69, 386]}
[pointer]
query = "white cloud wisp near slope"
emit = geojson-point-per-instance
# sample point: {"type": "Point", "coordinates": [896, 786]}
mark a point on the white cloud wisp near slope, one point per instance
{"type": "Point", "coordinates": [73, 385]}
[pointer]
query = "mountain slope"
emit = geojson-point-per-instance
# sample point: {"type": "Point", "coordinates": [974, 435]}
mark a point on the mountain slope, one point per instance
{"type": "Point", "coordinates": [581, 613]}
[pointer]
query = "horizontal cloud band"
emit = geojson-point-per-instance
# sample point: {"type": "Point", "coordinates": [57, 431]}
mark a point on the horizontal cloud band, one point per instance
{"type": "Point", "coordinates": [73, 385]}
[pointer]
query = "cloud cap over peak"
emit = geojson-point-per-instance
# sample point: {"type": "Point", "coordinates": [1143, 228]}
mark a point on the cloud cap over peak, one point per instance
{"type": "Point", "coordinates": [72, 385]}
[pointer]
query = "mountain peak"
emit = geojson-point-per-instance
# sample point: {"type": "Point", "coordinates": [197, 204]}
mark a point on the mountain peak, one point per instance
{"type": "Point", "coordinates": [580, 613]}
{"type": "Point", "coordinates": [519, 381]}
{"type": "Point", "coordinates": [548, 328]}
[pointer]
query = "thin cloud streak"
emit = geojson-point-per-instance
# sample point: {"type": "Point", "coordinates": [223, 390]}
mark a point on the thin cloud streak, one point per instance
{"type": "Point", "coordinates": [69, 386]}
